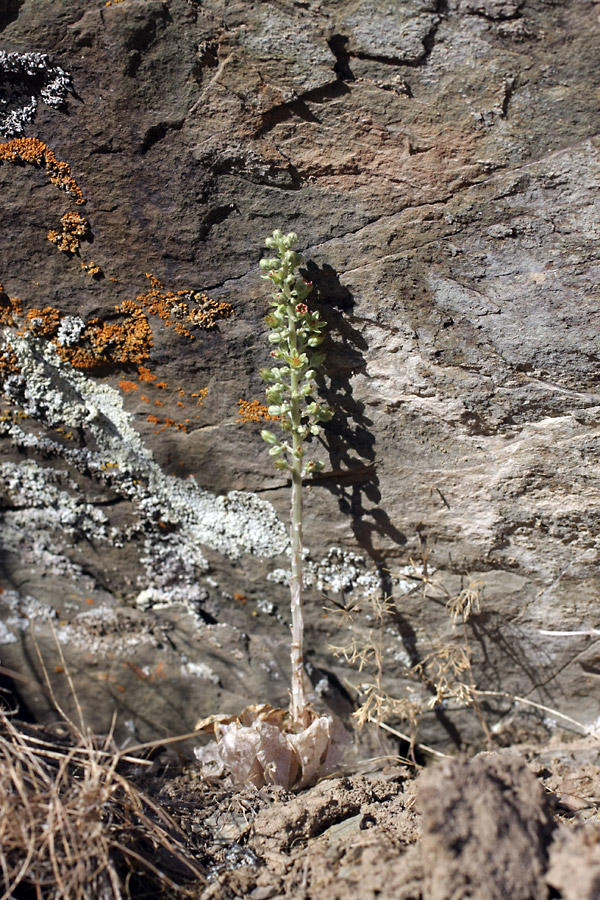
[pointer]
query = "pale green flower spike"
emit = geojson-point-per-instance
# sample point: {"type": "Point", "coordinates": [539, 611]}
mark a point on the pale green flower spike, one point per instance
{"type": "Point", "coordinates": [295, 331]}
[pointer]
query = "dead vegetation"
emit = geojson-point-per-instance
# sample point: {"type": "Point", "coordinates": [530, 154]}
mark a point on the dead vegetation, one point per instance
{"type": "Point", "coordinates": [74, 825]}
{"type": "Point", "coordinates": [443, 673]}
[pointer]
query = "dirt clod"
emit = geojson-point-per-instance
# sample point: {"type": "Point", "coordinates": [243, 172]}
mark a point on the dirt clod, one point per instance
{"type": "Point", "coordinates": [486, 825]}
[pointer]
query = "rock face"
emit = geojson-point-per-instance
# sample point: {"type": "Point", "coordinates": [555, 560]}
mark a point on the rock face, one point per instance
{"type": "Point", "coordinates": [440, 162]}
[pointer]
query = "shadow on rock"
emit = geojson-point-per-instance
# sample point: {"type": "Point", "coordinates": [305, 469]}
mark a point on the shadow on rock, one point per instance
{"type": "Point", "coordinates": [348, 438]}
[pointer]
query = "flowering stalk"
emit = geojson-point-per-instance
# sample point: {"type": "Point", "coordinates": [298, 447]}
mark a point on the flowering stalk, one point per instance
{"type": "Point", "coordinates": [295, 332]}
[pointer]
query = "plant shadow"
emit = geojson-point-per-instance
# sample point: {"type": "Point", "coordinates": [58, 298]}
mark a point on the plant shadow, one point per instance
{"type": "Point", "coordinates": [349, 440]}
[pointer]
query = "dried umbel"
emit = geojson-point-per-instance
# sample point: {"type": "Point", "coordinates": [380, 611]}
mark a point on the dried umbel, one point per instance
{"type": "Point", "coordinates": [260, 746]}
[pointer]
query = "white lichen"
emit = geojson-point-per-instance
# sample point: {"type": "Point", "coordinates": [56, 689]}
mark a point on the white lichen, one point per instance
{"type": "Point", "coordinates": [21, 610]}
{"type": "Point", "coordinates": [51, 391]}
{"type": "Point", "coordinates": [6, 636]}
{"type": "Point", "coordinates": [199, 670]}
{"type": "Point", "coordinates": [341, 570]}
{"type": "Point", "coordinates": [70, 330]}
{"type": "Point", "coordinates": [26, 78]}
{"type": "Point", "coordinates": [43, 507]}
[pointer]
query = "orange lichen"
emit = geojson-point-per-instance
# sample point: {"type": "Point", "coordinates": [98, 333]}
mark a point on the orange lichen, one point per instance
{"type": "Point", "coordinates": [200, 396]}
{"type": "Point", "coordinates": [253, 411]}
{"type": "Point", "coordinates": [68, 435]}
{"type": "Point", "coordinates": [128, 386]}
{"type": "Point", "coordinates": [179, 403]}
{"type": "Point", "coordinates": [31, 150]}
{"type": "Point", "coordinates": [144, 399]}
{"type": "Point", "coordinates": [11, 309]}
{"type": "Point", "coordinates": [158, 403]}
{"type": "Point", "coordinates": [91, 268]}
{"type": "Point", "coordinates": [13, 415]}
{"type": "Point", "coordinates": [146, 375]}
{"type": "Point", "coordinates": [168, 423]}
{"type": "Point", "coordinates": [74, 227]}
{"type": "Point", "coordinates": [101, 343]}
{"type": "Point", "coordinates": [112, 343]}
{"type": "Point", "coordinates": [174, 308]}
{"type": "Point", "coordinates": [44, 322]}
{"type": "Point", "coordinates": [9, 364]}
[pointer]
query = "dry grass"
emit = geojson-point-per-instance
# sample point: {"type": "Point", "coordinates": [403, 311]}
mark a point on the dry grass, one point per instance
{"type": "Point", "coordinates": [444, 671]}
{"type": "Point", "coordinates": [74, 827]}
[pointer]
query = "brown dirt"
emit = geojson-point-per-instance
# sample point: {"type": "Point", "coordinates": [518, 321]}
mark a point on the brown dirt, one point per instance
{"type": "Point", "coordinates": [520, 823]}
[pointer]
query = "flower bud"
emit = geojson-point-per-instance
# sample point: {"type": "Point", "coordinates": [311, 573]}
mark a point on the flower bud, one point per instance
{"type": "Point", "coordinates": [297, 361]}
{"type": "Point", "coordinates": [315, 429]}
{"type": "Point", "coordinates": [315, 340]}
{"type": "Point", "coordinates": [268, 436]}
{"type": "Point", "coordinates": [274, 410]}
{"type": "Point", "coordinates": [311, 467]}
{"type": "Point", "coordinates": [281, 464]}
{"type": "Point", "coordinates": [276, 450]}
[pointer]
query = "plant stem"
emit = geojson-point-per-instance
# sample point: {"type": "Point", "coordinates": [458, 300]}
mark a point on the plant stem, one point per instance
{"type": "Point", "coordinates": [295, 331]}
{"type": "Point", "coordinates": [298, 694]}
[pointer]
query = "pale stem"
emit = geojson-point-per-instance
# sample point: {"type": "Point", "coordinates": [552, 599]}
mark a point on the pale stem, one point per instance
{"type": "Point", "coordinates": [298, 694]}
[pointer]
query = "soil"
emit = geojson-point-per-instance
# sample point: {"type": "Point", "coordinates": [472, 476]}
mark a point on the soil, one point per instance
{"type": "Point", "coordinates": [521, 823]}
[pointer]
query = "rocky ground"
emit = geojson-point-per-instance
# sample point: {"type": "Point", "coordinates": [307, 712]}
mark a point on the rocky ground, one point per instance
{"type": "Point", "coordinates": [520, 823]}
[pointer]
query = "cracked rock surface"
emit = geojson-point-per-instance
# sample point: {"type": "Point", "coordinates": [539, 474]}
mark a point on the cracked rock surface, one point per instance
{"type": "Point", "coordinates": [440, 162]}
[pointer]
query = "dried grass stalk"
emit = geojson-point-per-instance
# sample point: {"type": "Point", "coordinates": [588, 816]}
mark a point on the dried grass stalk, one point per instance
{"type": "Point", "coordinates": [72, 826]}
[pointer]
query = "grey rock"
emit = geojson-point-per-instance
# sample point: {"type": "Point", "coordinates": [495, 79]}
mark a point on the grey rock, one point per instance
{"type": "Point", "coordinates": [441, 165]}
